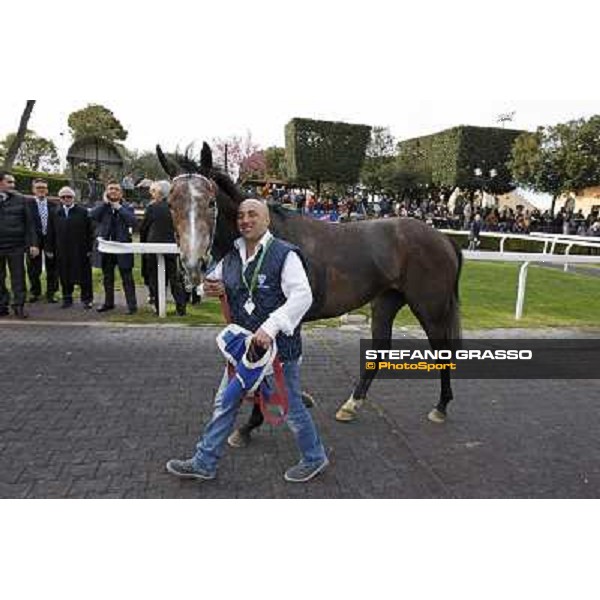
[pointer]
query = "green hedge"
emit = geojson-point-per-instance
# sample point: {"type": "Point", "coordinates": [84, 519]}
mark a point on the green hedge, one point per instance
{"type": "Point", "coordinates": [451, 156]}
{"type": "Point", "coordinates": [24, 178]}
{"type": "Point", "coordinates": [325, 151]}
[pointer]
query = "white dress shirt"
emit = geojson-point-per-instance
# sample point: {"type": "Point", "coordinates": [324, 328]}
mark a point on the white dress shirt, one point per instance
{"type": "Point", "coordinates": [294, 284]}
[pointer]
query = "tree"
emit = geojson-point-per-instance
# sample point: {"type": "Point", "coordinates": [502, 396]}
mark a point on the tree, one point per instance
{"type": "Point", "coordinates": [254, 166]}
{"type": "Point", "coordinates": [229, 153]}
{"type": "Point", "coordinates": [382, 143]}
{"type": "Point", "coordinates": [13, 149]}
{"type": "Point", "coordinates": [380, 153]}
{"type": "Point", "coordinates": [558, 159]}
{"type": "Point", "coordinates": [400, 175]}
{"type": "Point", "coordinates": [35, 152]}
{"type": "Point", "coordinates": [276, 162]}
{"type": "Point", "coordinates": [96, 120]}
{"type": "Point", "coordinates": [143, 164]}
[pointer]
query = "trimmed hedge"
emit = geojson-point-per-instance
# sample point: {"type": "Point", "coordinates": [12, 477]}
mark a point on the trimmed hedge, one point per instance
{"type": "Point", "coordinates": [24, 178]}
{"type": "Point", "coordinates": [450, 157]}
{"type": "Point", "coordinates": [325, 151]}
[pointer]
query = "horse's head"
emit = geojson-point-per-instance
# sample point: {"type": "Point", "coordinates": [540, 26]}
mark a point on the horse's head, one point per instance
{"type": "Point", "coordinates": [193, 204]}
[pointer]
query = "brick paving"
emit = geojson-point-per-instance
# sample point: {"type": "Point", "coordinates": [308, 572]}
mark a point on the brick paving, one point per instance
{"type": "Point", "coordinates": [95, 412]}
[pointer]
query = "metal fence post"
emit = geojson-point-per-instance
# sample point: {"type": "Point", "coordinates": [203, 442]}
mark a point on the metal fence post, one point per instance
{"type": "Point", "coordinates": [162, 295]}
{"type": "Point", "coordinates": [521, 290]}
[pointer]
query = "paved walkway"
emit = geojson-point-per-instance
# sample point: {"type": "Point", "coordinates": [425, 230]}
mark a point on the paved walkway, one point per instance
{"type": "Point", "coordinates": [88, 411]}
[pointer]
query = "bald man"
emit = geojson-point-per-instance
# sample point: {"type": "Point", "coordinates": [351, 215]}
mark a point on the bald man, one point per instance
{"type": "Point", "coordinates": [268, 293]}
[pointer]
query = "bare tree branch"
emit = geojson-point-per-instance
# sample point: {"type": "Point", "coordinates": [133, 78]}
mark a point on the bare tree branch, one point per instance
{"type": "Point", "coordinates": [12, 152]}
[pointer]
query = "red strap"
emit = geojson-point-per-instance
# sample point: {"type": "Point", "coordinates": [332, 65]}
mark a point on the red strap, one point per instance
{"type": "Point", "coordinates": [225, 308]}
{"type": "Point", "coordinates": [278, 398]}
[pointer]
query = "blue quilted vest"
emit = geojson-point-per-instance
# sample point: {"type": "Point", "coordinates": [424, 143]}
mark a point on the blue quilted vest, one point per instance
{"type": "Point", "coordinates": [267, 297]}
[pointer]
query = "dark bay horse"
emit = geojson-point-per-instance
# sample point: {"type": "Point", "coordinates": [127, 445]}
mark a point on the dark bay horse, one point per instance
{"type": "Point", "coordinates": [388, 262]}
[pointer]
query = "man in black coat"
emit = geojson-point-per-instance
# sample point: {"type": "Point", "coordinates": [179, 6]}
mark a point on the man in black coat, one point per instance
{"type": "Point", "coordinates": [157, 226]}
{"type": "Point", "coordinates": [71, 240]}
{"type": "Point", "coordinates": [17, 235]}
{"type": "Point", "coordinates": [41, 211]}
{"type": "Point", "coordinates": [116, 220]}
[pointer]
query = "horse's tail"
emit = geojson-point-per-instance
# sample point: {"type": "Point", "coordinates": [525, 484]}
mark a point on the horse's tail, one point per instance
{"type": "Point", "coordinates": [454, 329]}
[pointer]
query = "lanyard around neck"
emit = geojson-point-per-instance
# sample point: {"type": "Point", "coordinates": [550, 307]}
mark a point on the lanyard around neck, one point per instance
{"type": "Point", "coordinates": [252, 285]}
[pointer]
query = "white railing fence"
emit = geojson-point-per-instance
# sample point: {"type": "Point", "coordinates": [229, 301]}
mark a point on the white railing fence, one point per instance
{"type": "Point", "coordinates": [160, 250]}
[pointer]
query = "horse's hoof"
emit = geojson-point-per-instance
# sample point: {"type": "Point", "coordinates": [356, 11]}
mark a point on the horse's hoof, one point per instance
{"type": "Point", "coordinates": [348, 411]}
{"type": "Point", "coordinates": [308, 400]}
{"type": "Point", "coordinates": [436, 416]}
{"type": "Point", "coordinates": [238, 439]}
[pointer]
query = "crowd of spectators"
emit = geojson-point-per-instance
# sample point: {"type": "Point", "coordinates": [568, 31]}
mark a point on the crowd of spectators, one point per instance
{"type": "Point", "coordinates": [439, 210]}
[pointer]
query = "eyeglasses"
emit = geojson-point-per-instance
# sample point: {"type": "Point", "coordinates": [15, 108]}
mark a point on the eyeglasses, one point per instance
{"type": "Point", "coordinates": [66, 197]}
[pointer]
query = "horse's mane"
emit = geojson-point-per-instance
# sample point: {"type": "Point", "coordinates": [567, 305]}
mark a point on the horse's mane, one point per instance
{"type": "Point", "coordinates": [284, 213]}
{"type": "Point", "coordinates": [190, 164]}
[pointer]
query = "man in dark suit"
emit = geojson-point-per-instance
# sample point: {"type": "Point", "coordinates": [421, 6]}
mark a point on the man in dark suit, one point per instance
{"type": "Point", "coordinates": [41, 211]}
{"type": "Point", "coordinates": [17, 235]}
{"type": "Point", "coordinates": [116, 220]}
{"type": "Point", "coordinates": [71, 240]}
{"type": "Point", "coordinates": [157, 226]}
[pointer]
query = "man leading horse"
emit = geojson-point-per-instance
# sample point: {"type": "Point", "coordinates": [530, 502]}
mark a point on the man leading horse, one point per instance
{"type": "Point", "coordinates": [268, 292]}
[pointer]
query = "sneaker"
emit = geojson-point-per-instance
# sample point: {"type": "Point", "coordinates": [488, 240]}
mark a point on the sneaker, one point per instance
{"type": "Point", "coordinates": [186, 470]}
{"type": "Point", "coordinates": [87, 305]}
{"type": "Point", "coordinates": [302, 472]}
{"type": "Point", "coordinates": [51, 300]}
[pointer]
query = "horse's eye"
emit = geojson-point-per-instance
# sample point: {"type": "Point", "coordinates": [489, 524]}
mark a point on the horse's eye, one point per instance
{"type": "Point", "coordinates": [212, 204]}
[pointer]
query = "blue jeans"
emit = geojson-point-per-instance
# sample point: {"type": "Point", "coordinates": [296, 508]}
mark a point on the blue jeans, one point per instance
{"type": "Point", "coordinates": [210, 445]}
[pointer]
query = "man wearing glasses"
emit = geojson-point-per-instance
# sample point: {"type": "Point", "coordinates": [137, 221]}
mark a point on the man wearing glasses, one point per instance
{"type": "Point", "coordinates": [71, 241]}
{"type": "Point", "coordinates": [17, 235]}
{"type": "Point", "coordinates": [42, 211]}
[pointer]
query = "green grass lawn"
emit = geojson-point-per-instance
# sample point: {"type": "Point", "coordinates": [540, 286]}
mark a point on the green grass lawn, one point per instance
{"type": "Point", "coordinates": [488, 295]}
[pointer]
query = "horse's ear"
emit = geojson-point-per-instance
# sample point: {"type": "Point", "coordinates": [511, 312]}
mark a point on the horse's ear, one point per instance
{"type": "Point", "coordinates": [206, 160]}
{"type": "Point", "coordinates": [167, 164]}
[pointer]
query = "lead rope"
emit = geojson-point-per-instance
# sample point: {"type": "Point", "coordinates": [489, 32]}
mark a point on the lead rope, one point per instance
{"type": "Point", "coordinates": [278, 398]}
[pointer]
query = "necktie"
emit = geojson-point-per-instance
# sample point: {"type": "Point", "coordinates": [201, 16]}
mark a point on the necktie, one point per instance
{"type": "Point", "coordinates": [43, 206]}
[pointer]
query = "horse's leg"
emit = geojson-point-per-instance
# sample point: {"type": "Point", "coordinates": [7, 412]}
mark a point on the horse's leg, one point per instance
{"type": "Point", "coordinates": [438, 414]}
{"type": "Point", "coordinates": [240, 438]}
{"type": "Point", "coordinates": [383, 310]}
{"type": "Point", "coordinates": [442, 326]}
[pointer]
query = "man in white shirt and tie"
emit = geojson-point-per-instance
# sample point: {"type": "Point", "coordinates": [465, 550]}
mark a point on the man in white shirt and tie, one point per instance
{"type": "Point", "coordinates": [41, 210]}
